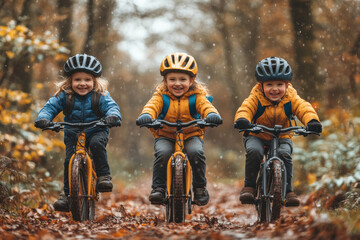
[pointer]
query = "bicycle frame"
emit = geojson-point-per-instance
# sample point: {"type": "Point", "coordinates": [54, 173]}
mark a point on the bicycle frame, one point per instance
{"type": "Point", "coordinates": [82, 186]}
{"type": "Point", "coordinates": [272, 196]}
{"type": "Point", "coordinates": [178, 164]}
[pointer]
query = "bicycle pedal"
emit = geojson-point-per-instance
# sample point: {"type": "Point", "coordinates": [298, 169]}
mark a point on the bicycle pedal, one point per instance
{"type": "Point", "coordinates": [247, 202]}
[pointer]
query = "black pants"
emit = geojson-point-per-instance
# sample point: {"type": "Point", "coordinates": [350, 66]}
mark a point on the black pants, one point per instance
{"type": "Point", "coordinates": [96, 142]}
{"type": "Point", "coordinates": [254, 155]}
{"type": "Point", "coordinates": [193, 147]}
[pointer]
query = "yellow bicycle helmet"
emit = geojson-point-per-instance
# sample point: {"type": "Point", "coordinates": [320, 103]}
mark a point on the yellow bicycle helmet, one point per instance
{"type": "Point", "coordinates": [179, 62]}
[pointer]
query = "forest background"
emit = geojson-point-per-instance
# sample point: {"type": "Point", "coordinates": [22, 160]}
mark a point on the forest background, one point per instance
{"type": "Point", "coordinates": [320, 40]}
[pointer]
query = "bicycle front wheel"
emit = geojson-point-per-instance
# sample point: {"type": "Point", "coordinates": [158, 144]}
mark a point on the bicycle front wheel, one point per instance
{"type": "Point", "coordinates": [276, 190]}
{"type": "Point", "coordinates": [179, 200]}
{"type": "Point", "coordinates": [79, 203]}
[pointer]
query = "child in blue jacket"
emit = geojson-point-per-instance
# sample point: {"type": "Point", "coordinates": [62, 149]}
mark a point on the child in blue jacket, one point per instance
{"type": "Point", "coordinates": [79, 88]}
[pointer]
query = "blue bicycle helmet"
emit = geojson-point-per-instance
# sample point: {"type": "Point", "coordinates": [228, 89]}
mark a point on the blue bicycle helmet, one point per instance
{"type": "Point", "coordinates": [273, 68]}
{"type": "Point", "coordinates": [83, 63]}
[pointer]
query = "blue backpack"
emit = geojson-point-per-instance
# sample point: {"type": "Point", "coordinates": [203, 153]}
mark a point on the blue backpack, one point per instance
{"type": "Point", "coordinates": [192, 106]}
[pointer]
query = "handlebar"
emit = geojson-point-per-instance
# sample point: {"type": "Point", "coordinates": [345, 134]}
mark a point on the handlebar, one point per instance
{"type": "Point", "coordinates": [159, 123]}
{"type": "Point", "coordinates": [57, 126]}
{"type": "Point", "coordinates": [277, 130]}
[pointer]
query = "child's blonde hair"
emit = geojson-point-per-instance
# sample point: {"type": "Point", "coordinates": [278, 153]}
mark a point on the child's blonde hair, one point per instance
{"type": "Point", "coordinates": [100, 86]}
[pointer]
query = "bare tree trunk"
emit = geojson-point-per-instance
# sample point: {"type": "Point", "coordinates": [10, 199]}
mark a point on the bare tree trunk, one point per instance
{"type": "Point", "coordinates": [89, 42]}
{"type": "Point", "coordinates": [306, 62]}
{"type": "Point", "coordinates": [218, 9]}
{"type": "Point", "coordinates": [355, 69]}
{"type": "Point", "coordinates": [21, 76]}
{"type": "Point", "coordinates": [64, 25]}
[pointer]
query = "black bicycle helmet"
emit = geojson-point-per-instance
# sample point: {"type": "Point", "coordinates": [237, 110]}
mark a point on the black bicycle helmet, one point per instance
{"type": "Point", "coordinates": [273, 68]}
{"type": "Point", "coordinates": [83, 63]}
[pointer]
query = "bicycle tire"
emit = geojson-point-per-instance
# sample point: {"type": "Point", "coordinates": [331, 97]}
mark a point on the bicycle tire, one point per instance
{"type": "Point", "coordinates": [179, 201]}
{"type": "Point", "coordinates": [260, 201]}
{"type": "Point", "coordinates": [79, 204]}
{"type": "Point", "coordinates": [276, 190]}
{"type": "Point", "coordinates": [92, 201]}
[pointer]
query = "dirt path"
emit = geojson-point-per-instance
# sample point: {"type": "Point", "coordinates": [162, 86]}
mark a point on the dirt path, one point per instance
{"type": "Point", "coordinates": [127, 214]}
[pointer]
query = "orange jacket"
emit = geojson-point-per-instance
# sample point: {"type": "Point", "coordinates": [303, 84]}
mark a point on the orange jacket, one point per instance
{"type": "Point", "coordinates": [178, 110]}
{"type": "Point", "coordinates": [275, 114]}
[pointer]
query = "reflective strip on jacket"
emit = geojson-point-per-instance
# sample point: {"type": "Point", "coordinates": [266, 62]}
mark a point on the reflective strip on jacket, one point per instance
{"type": "Point", "coordinates": [178, 110]}
{"type": "Point", "coordinates": [275, 114]}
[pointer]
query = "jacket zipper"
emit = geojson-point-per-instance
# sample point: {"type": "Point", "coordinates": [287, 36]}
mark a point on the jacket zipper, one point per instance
{"type": "Point", "coordinates": [178, 109]}
{"type": "Point", "coordinates": [82, 110]}
{"type": "Point", "coordinates": [275, 114]}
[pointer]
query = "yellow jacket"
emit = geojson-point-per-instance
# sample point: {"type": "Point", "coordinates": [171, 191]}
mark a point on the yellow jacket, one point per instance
{"type": "Point", "coordinates": [275, 114]}
{"type": "Point", "coordinates": [178, 110]}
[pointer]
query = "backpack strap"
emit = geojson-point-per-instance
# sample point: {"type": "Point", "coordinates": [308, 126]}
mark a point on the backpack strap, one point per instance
{"type": "Point", "coordinates": [95, 99]}
{"type": "Point", "coordinates": [288, 112]}
{"type": "Point", "coordinates": [260, 110]}
{"type": "Point", "coordinates": [69, 104]}
{"type": "Point", "coordinates": [192, 105]}
{"type": "Point", "coordinates": [166, 105]}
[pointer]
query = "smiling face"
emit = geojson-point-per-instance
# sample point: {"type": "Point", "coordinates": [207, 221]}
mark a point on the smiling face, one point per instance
{"type": "Point", "coordinates": [178, 83]}
{"type": "Point", "coordinates": [82, 83]}
{"type": "Point", "coordinates": [275, 90]}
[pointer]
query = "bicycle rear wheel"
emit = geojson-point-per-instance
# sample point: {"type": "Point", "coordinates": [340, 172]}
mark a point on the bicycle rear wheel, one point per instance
{"type": "Point", "coordinates": [79, 203]}
{"type": "Point", "coordinates": [276, 190]}
{"type": "Point", "coordinates": [179, 200]}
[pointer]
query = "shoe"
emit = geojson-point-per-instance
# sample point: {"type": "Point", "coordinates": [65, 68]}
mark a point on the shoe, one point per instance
{"type": "Point", "coordinates": [201, 196]}
{"type": "Point", "coordinates": [247, 195]}
{"type": "Point", "coordinates": [157, 196]}
{"type": "Point", "coordinates": [291, 200]}
{"type": "Point", "coordinates": [62, 204]}
{"type": "Point", "coordinates": [104, 184]}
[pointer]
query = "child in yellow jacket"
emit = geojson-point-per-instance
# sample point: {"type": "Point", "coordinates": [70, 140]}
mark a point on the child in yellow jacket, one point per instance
{"type": "Point", "coordinates": [178, 86]}
{"type": "Point", "coordinates": [270, 103]}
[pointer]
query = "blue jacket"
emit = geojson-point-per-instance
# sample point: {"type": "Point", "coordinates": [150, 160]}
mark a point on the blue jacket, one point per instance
{"type": "Point", "coordinates": [82, 111]}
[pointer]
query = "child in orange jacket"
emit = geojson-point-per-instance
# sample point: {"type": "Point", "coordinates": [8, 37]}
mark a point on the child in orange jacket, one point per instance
{"type": "Point", "coordinates": [276, 97]}
{"type": "Point", "coordinates": [178, 86]}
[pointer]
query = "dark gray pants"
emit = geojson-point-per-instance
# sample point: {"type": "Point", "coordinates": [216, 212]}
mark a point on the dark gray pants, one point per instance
{"type": "Point", "coordinates": [254, 155]}
{"type": "Point", "coordinates": [96, 142]}
{"type": "Point", "coordinates": [194, 149]}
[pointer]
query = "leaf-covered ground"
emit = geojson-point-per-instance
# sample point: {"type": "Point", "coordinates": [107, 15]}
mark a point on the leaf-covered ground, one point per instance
{"type": "Point", "coordinates": [127, 214]}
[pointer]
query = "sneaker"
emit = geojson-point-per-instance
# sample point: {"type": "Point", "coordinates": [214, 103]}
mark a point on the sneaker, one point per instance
{"type": "Point", "coordinates": [157, 195]}
{"type": "Point", "coordinates": [201, 196]}
{"type": "Point", "coordinates": [247, 195]}
{"type": "Point", "coordinates": [291, 200]}
{"type": "Point", "coordinates": [62, 204]}
{"type": "Point", "coordinates": [104, 184]}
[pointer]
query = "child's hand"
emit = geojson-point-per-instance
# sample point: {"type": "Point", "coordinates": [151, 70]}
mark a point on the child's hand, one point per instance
{"type": "Point", "coordinates": [42, 123]}
{"type": "Point", "coordinates": [314, 126]}
{"type": "Point", "coordinates": [112, 121]}
{"type": "Point", "coordinates": [213, 118]}
{"type": "Point", "coordinates": [242, 123]}
{"type": "Point", "coordinates": [143, 119]}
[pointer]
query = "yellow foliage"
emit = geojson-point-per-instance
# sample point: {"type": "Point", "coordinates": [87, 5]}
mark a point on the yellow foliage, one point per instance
{"type": "Point", "coordinates": [39, 85]}
{"type": "Point", "coordinates": [21, 28]}
{"type": "Point", "coordinates": [297, 183]}
{"type": "Point", "coordinates": [16, 154]}
{"type": "Point", "coordinates": [311, 178]}
{"type": "Point", "coordinates": [10, 54]}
